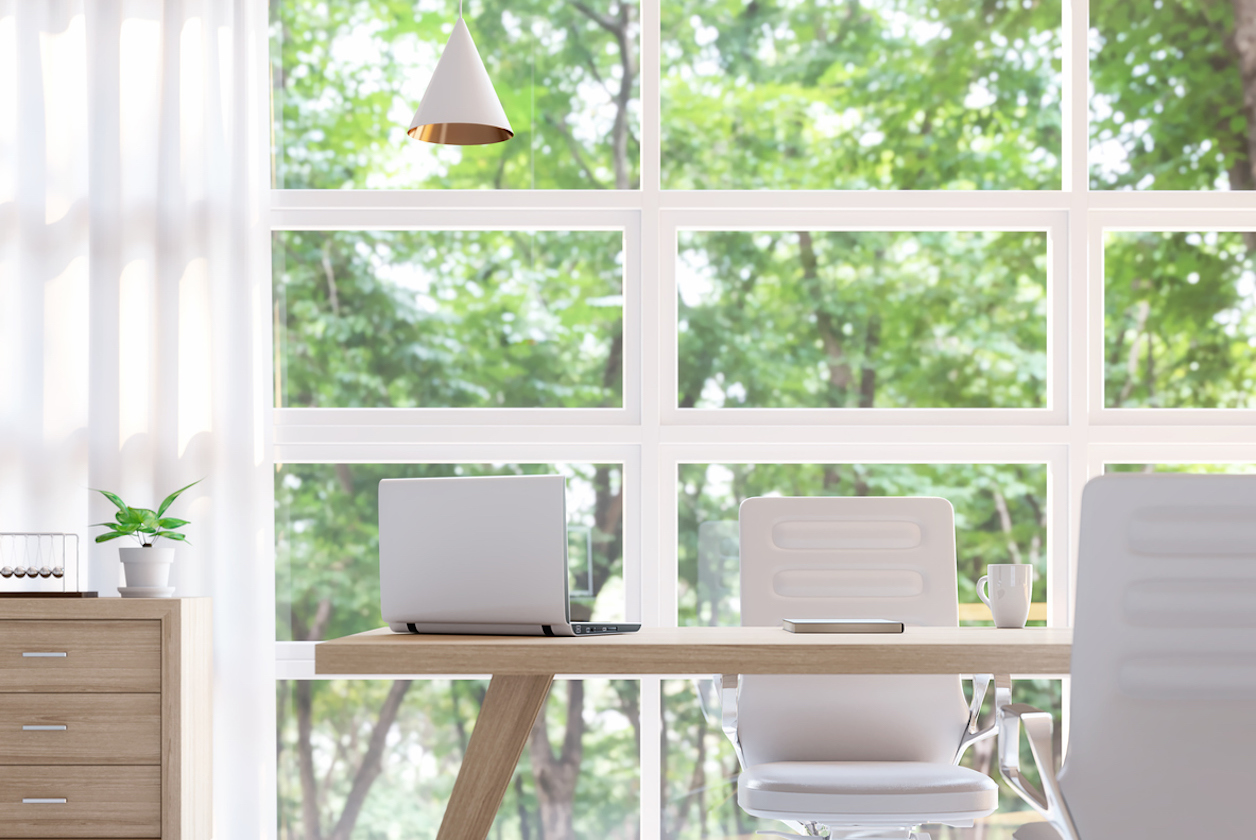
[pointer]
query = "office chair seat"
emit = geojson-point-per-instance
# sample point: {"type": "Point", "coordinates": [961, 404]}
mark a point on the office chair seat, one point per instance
{"type": "Point", "coordinates": [866, 792]}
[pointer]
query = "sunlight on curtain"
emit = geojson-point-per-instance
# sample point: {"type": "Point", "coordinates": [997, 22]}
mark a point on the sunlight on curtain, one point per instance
{"type": "Point", "coordinates": [135, 328]}
{"type": "Point", "coordinates": [133, 150]}
{"type": "Point", "coordinates": [195, 362]}
{"type": "Point", "coordinates": [65, 351]}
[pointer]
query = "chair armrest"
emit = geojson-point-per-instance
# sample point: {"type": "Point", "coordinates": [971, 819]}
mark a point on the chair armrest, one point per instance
{"type": "Point", "coordinates": [728, 685]}
{"type": "Point", "coordinates": [1039, 728]}
{"type": "Point", "coordinates": [972, 732]}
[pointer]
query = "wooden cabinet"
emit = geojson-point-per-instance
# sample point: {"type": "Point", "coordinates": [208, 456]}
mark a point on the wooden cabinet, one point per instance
{"type": "Point", "coordinates": [105, 718]}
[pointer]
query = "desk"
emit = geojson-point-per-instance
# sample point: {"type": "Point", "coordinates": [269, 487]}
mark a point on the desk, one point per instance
{"type": "Point", "coordinates": [523, 667]}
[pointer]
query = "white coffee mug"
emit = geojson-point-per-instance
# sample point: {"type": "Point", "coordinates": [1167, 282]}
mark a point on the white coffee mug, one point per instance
{"type": "Point", "coordinates": [1010, 586]}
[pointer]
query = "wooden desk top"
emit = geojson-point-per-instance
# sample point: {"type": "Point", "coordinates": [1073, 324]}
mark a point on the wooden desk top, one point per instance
{"type": "Point", "coordinates": [706, 650]}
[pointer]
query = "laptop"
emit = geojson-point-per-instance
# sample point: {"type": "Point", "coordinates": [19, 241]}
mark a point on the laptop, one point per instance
{"type": "Point", "coordinates": [479, 556]}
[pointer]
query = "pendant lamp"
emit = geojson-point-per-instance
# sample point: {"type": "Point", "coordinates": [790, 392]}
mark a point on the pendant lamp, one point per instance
{"type": "Point", "coordinates": [460, 107]}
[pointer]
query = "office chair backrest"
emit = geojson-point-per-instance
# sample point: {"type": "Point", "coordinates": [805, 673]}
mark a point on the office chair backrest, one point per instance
{"type": "Point", "coordinates": [836, 557]}
{"type": "Point", "coordinates": [1163, 724]}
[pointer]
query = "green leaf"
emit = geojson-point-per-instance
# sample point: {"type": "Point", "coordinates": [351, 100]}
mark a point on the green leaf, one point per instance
{"type": "Point", "coordinates": [113, 498]}
{"type": "Point", "coordinates": [112, 535]}
{"type": "Point", "coordinates": [172, 535]}
{"type": "Point", "coordinates": [171, 522]}
{"type": "Point", "coordinates": [129, 517]}
{"type": "Point", "coordinates": [169, 500]}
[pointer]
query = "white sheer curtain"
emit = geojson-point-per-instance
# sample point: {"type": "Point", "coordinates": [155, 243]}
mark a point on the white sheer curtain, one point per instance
{"type": "Point", "coordinates": [134, 274]}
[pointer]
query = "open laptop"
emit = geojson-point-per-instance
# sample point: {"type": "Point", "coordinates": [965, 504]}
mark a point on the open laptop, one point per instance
{"type": "Point", "coordinates": [478, 555]}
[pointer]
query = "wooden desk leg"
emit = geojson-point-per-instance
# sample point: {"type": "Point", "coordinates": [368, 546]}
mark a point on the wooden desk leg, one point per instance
{"type": "Point", "coordinates": [501, 731]}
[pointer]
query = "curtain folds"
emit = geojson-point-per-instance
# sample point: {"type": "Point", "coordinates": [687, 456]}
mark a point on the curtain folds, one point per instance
{"type": "Point", "coordinates": [134, 316]}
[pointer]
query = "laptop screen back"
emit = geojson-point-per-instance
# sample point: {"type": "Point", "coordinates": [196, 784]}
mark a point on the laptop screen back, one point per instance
{"type": "Point", "coordinates": [489, 549]}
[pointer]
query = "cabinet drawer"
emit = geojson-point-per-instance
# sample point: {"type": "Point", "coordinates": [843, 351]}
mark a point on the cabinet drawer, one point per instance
{"type": "Point", "coordinates": [80, 656]}
{"type": "Point", "coordinates": [80, 729]}
{"type": "Point", "coordinates": [99, 802]}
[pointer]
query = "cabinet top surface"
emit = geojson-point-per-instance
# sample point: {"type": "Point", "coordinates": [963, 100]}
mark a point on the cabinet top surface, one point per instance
{"type": "Point", "coordinates": [96, 608]}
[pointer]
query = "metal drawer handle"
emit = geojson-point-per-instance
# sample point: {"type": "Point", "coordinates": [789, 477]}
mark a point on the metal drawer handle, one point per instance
{"type": "Point", "coordinates": [42, 654]}
{"type": "Point", "coordinates": [43, 727]}
{"type": "Point", "coordinates": [33, 800]}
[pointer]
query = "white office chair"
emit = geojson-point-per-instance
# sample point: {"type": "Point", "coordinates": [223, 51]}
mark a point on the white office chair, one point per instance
{"type": "Point", "coordinates": [1161, 737]}
{"type": "Point", "coordinates": [865, 756]}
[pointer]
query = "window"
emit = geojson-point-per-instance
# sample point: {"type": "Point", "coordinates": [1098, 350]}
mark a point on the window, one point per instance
{"type": "Point", "coordinates": [885, 247]}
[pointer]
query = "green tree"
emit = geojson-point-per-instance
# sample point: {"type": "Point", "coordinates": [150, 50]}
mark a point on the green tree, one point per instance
{"type": "Point", "coordinates": [891, 94]}
{"type": "Point", "coordinates": [1175, 94]}
{"type": "Point", "coordinates": [449, 319]}
{"type": "Point", "coordinates": [349, 74]}
{"type": "Point", "coordinates": [1180, 320]}
{"type": "Point", "coordinates": [1175, 109]}
{"type": "Point", "coordinates": [843, 320]}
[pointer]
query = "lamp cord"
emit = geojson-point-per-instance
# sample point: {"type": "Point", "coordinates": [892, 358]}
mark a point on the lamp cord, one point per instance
{"type": "Point", "coordinates": [459, 9]}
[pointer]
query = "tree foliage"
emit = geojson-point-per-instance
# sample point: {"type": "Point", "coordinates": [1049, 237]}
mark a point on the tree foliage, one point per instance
{"type": "Point", "coordinates": [845, 320]}
{"type": "Point", "coordinates": [1174, 109]}
{"type": "Point", "coordinates": [453, 319]}
{"type": "Point", "coordinates": [1168, 111]}
{"type": "Point", "coordinates": [890, 94]}
{"type": "Point", "coordinates": [1180, 316]}
{"type": "Point", "coordinates": [349, 74]}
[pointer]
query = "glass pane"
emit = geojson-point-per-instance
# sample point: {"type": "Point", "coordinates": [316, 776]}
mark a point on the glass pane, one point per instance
{"type": "Point", "coordinates": [327, 541]}
{"type": "Point", "coordinates": [880, 94]}
{"type": "Point", "coordinates": [1180, 315]}
{"type": "Point", "coordinates": [1198, 469]}
{"type": "Point", "coordinates": [824, 319]}
{"type": "Point", "coordinates": [700, 769]}
{"type": "Point", "coordinates": [348, 76]}
{"type": "Point", "coordinates": [1167, 93]}
{"type": "Point", "coordinates": [330, 732]}
{"type": "Point", "coordinates": [498, 319]}
{"type": "Point", "coordinates": [1000, 517]}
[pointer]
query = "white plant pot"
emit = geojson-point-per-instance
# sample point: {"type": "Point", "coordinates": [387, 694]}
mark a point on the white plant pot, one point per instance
{"type": "Point", "coordinates": [147, 567]}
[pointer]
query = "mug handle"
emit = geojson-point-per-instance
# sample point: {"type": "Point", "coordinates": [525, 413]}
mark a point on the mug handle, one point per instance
{"type": "Point", "coordinates": [983, 585]}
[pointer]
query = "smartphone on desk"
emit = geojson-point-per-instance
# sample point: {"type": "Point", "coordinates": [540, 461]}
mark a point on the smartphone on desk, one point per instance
{"type": "Point", "coordinates": [842, 625]}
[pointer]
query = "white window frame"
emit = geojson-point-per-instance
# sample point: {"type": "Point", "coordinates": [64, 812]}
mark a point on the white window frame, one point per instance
{"type": "Point", "coordinates": [1074, 434]}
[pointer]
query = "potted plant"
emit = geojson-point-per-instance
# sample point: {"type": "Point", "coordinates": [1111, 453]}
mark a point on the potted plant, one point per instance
{"type": "Point", "coordinates": [147, 567]}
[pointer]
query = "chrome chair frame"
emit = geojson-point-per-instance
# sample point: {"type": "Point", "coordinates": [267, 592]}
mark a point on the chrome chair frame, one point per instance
{"type": "Point", "coordinates": [1039, 729]}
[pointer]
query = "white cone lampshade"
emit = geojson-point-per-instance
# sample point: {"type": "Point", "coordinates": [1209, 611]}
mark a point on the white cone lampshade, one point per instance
{"type": "Point", "coordinates": [460, 107]}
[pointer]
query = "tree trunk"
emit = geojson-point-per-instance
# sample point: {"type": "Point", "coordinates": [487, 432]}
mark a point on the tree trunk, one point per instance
{"type": "Point", "coordinates": [1245, 49]}
{"type": "Point", "coordinates": [868, 373]}
{"type": "Point", "coordinates": [1142, 312]}
{"type": "Point", "coordinates": [698, 784]}
{"type": "Point", "coordinates": [1005, 520]}
{"type": "Point", "coordinates": [556, 777]}
{"type": "Point", "coordinates": [368, 769]}
{"type": "Point", "coordinates": [372, 761]}
{"type": "Point", "coordinates": [840, 376]}
{"type": "Point", "coordinates": [525, 823]}
{"type": "Point", "coordinates": [620, 26]}
{"type": "Point", "coordinates": [310, 820]}
{"type": "Point", "coordinates": [663, 763]}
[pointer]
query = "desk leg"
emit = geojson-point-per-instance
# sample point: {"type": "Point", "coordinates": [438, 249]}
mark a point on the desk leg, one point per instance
{"type": "Point", "coordinates": [501, 731]}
